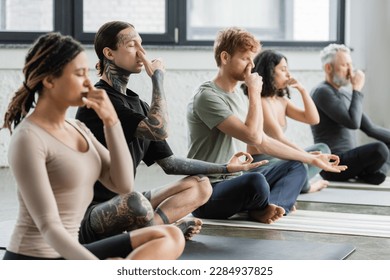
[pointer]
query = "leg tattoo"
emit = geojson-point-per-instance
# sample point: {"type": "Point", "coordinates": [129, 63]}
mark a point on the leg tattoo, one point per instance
{"type": "Point", "coordinates": [122, 213]}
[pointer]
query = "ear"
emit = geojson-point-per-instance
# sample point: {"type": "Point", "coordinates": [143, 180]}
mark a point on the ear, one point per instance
{"type": "Point", "coordinates": [108, 53]}
{"type": "Point", "coordinates": [48, 82]}
{"type": "Point", "coordinates": [224, 57]}
{"type": "Point", "coordinates": [328, 68]}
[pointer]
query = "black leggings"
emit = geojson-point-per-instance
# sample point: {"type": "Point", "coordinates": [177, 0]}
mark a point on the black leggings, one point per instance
{"type": "Point", "coordinates": [364, 162]}
{"type": "Point", "coordinates": [115, 246]}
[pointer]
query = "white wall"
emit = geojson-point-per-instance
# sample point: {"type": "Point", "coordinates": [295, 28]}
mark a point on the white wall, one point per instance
{"type": "Point", "coordinates": [186, 69]}
{"type": "Point", "coordinates": [367, 33]}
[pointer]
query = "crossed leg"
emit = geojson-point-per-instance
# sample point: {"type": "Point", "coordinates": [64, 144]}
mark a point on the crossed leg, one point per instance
{"type": "Point", "coordinates": [163, 242]}
{"type": "Point", "coordinates": [175, 201]}
{"type": "Point", "coordinates": [167, 205]}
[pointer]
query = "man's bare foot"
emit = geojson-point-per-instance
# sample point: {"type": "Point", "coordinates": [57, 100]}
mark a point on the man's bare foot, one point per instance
{"type": "Point", "coordinates": [317, 186]}
{"type": "Point", "coordinates": [189, 226]}
{"type": "Point", "coordinates": [268, 215]}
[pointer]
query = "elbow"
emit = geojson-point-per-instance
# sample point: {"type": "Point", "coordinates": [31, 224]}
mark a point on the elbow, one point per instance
{"type": "Point", "coordinates": [314, 121]}
{"type": "Point", "coordinates": [161, 134]}
{"type": "Point", "coordinates": [354, 123]}
{"type": "Point", "coordinates": [168, 170]}
{"type": "Point", "coordinates": [152, 129]}
{"type": "Point", "coordinates": [125, 186]}
{"type": "Point", "coordinates": [255, 139]}
{"type": "Point", "coordinates": [353, 126]}
{"type": "Point", "coordinates": [160, 137]}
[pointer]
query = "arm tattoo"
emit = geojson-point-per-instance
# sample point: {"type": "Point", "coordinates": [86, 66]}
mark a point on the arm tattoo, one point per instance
{"type": "Point", "coordinates": [154, 126]}
{"type": "Point", "coordinates": [186, 166]}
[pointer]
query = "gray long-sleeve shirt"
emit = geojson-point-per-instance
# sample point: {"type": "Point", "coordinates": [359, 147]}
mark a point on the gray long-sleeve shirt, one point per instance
{"type": "Point", "coordinates": [341, 115]}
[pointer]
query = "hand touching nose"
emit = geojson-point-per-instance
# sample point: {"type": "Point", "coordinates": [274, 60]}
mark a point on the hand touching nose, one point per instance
{"type": "Point", "coordinates": [253, 81]}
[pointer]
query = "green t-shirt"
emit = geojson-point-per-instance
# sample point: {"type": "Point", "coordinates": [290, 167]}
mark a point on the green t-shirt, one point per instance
{"type": "Point", "coordinates": [208, 107]}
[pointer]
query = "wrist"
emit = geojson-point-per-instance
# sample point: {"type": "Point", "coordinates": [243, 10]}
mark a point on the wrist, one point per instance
{"type": "Point", "coordinates": [158, 74]}
{"type": "Point", "coordinates": [109, 122]}
{"type": "Point", "coordinates": [302, 90]}
{"type": "Point", "coordinates": [309, 158]}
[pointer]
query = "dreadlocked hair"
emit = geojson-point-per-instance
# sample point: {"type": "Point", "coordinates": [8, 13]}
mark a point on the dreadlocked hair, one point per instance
{"type": "Point", "coordinates": [48, 56]}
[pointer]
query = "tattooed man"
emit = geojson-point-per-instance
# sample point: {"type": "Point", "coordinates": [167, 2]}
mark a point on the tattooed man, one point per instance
{"type": "Point", "coordinates": [118, 47]}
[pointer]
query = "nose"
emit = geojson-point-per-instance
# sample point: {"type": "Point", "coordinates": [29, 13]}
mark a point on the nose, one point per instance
{"type": "Point", "coordinates": [251, 64]}
{"type": "Point", "coordinates": [140, 48]}
{"type": "Point", "coordinates": [87, 82]}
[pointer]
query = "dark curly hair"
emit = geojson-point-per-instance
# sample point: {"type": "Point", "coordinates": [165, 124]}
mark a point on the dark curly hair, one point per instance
{"type": "Point", "coordinates": [265, 63]}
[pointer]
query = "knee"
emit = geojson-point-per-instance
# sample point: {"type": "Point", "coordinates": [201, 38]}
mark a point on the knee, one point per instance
{"type": "Point", "coordinates": [255, 183]}
{"type": "Point", "coordinates": [173, 237]}
{"type": "Point", "coordinates": [382, 151]}
{"type": "Point", "coordinates": [299, 167]}
{"type": "Point", "coordinates": [254, 179]}
{"type": "Point", "coordinates": [323, 148]}
{"type": "Point", "coordinates": [138, 206]}
{"type": "Point", "coordinates": [201, 187]}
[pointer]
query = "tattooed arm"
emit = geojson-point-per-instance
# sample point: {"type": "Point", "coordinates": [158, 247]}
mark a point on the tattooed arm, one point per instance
{"type": "Point", "coordinates": [184, 166]}
{"type": "Point", "coordinates": [154, 126]}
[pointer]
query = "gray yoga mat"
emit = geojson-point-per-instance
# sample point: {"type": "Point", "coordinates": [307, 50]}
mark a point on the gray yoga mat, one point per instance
{"type": "Point", "coordinates": [319, 222]}
{"type": "Point", "coordinates": [385, 186]}
{"type": "Point", "coordinates": [348, 196]}
{"type": "Point", "coordinates": [220, 248]}
{"type": "Point", "coordinates": [206, 247]}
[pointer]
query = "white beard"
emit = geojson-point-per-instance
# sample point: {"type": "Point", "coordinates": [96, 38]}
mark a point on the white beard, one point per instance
{"type": "Point", "coordinates": [340, 81]}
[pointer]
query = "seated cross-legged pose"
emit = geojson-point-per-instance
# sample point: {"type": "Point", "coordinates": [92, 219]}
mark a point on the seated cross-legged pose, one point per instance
{"type": "Point", "coordinates": [277, 106]}
{"type": "Point", "coordinates": [56, 162]}
{"type": "Point", "coordinates": [222, 120]}
{"type": "Point", "coordinates": [120, 52]}
{"type": "Point", "coordinates": [342, 116]}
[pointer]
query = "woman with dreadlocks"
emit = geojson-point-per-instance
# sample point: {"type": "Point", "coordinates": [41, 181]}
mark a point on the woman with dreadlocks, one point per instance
{"type": "Point", "coordinates": [56, 162]}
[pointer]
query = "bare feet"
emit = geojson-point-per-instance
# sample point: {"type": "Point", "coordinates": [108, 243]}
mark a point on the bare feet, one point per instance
{"type": "Point", "coordinates": [317, 186]}
{"type": "Point", "coordinates": [268, 215]}
{"type": "Point", "coordinates": [189, 226]}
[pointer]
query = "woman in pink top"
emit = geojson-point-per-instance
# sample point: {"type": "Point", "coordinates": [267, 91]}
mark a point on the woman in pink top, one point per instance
{"type": "Point", "coordinates": [56, 162]}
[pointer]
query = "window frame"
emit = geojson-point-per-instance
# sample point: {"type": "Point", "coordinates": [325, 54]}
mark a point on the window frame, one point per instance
{"type": "Point", "coordinates": [62, 10]}
{"type": "Point", "coordinates": [167, 38]}
{"type": "Point", "coordinates": [340, 31]}
{"type": "Point", "coordinates": [68, 19]}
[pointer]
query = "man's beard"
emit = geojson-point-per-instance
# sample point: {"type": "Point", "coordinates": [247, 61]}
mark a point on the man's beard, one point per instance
{"type": "Point", "coordinates": [340, 81]}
